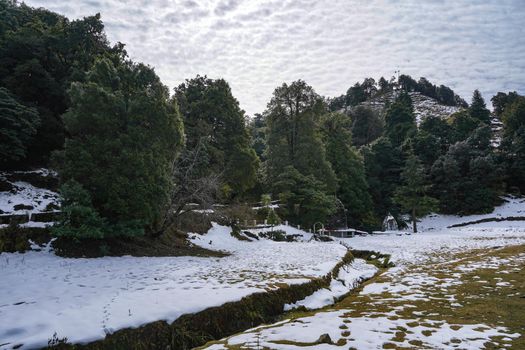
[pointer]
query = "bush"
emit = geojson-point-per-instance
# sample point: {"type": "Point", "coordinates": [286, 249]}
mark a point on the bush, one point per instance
{"type": "Point", "coordinates": [272, 218]}
{"type": "Point", "coordinates": [13, 238]}
{"type": "Point", "coordinates": [79, 220]}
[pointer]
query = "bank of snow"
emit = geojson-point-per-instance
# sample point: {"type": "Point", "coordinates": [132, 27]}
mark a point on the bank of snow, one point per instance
{"type": "Point", "coordinates": [84, 299]}
{"type": "Point", "coordinates": [348, 278]}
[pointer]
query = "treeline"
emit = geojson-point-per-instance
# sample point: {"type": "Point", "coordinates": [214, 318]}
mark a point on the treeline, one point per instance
{"type": "Point", "coordinates": [131, 156]}
{"type": "Point", "coordinates": [369, 89]}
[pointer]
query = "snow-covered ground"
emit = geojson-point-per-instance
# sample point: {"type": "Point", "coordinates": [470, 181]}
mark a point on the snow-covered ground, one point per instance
{"type": "Point", "coordinates": [349, 277]}
{"type": "Point", "coordinates": [34, 199]}
{"type": "Point", "coordinates": [83, 299]}
{"type": "Point", "coordinates": [512, 206]}
{"type": "Point", "coordinates": [430, 268]}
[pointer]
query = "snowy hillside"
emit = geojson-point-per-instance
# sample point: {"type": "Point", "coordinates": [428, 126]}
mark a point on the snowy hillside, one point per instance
{"type": "Point", "coordinates": [424, 106]}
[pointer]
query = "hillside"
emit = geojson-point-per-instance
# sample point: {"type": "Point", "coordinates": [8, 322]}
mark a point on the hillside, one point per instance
{"type": "Point", "coordinates": [424, 106]}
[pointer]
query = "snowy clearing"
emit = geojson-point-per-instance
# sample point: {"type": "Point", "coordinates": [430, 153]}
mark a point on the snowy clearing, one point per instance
{"type": "Point", "coordinates": [429, 300]}
{"type": "Point", "coordinates": [83, 299]}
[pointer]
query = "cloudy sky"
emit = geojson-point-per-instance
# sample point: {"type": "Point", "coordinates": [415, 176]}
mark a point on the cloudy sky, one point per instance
{"type": "Point", "coordinates": [331, 44]}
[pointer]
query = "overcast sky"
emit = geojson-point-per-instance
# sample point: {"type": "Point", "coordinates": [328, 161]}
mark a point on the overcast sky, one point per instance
{"type": "Point", "coordinates": [331, 44]}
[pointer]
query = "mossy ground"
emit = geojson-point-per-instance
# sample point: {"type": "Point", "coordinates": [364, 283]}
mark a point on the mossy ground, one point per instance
{"type": "Point", "coordinates": [479, 287]}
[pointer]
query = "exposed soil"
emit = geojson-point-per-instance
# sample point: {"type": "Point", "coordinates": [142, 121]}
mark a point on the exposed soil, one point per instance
{"type": "Point", "coordinates": [170, 243]}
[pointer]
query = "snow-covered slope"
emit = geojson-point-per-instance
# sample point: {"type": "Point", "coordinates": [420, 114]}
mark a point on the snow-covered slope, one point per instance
{"type": "Point", "coordinates": [83, 299]}
{"type": "Point", "coordinates": [512, 207]}
{"type": "Point", "coordinates": [17, 195]}
{"type": "Point", "coordinates": [424, 106]}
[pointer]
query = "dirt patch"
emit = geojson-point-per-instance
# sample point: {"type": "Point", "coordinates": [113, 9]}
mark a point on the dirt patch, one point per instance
{"type": "Point", "coordinates": [170, 243]}
{"type": "Point", "coordinates": [15, 238]}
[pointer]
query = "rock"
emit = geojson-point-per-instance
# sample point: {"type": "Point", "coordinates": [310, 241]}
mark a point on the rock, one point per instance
{"type": "Point", "coordinates": [23, 207]}
{"type": "Point", "coordinates": [324, 339]}
{"type": "Point", "coordinates": [5, 186]}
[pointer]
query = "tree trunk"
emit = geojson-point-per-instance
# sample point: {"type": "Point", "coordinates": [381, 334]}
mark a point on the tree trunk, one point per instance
{"type": "Point", "coordinates": [414, 223]}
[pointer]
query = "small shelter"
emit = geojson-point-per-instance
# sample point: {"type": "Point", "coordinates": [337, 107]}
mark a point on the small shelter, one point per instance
{"type": "Point", "coordinates": [343, 232]}
{"type": "Point", "coordinates": [390, 223]}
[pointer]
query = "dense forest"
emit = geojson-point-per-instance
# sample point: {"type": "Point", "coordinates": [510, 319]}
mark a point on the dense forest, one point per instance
{"type": "Point", "coordinates": [131, 155]}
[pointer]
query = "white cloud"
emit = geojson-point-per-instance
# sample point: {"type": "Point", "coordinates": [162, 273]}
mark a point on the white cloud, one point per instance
{"type": "Point", "coordinates": [331, 44]}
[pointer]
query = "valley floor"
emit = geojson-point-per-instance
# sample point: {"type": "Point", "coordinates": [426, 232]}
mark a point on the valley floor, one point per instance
{"type": "Point", "coordinates": [468, 299]}
{"type": "Point", "coordinates": [451, 288]}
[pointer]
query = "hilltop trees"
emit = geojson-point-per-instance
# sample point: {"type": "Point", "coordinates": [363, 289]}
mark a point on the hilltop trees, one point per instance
{"type": "Point", "coordinates": [478, 110]}
{"type": "Point", "coordinates": [124, 135]}
{"type": "Point", "coordinates": [501, 100]}
{"type": "Point", "coordinates": [400, 122]}
{"type": "Point", "coordinates": [367, 126]}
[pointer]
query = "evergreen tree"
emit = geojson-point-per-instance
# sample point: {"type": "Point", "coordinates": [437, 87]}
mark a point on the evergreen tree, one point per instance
{"type": "Point", "coordinates": [212, 116]}
{"type": "Point", "coordinates": [257, 128]}
{"type": "Point", "coordinates": [426, 147]}
{"type": "Point", "coordinates": [463, 125]}
{"type": "Point", "coordinates": [293, 134]}
{"type": "Point", "coordinates": [383, 165]}
{"type": "Point", "coordinates": [18, 125]}
{"type": "Point", "coordinates": [367, 126]}
{"type": "Point", "coordinates": [501, 100]}
{"type": "Point", "coordinates": [41, 53]}
{"type": "Point", "coordinates": [304, 199]}
{"type": "Point", "coordinates": [400, 122]}
{"type": "Point", "coordinates": [124, 134]}
{"type": "Point", "coordinates": [272, 218]}
{"type": "Point", "coordinates": [467, 178]}
{"type": "Point", "coordinates": [513, 144]}
{"type": "Point", "coordinates": [478, 110]}
{"type": "Point", "coordinates": [79, 219]}
{"type": "Point", "coordinates": [412, 195]}
{"type": "Point", "coordinates": [438, 128]}
{"type": "Point", "coordinates": [349, 168]}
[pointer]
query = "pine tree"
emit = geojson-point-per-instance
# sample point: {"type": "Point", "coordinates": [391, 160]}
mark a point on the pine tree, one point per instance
{"type": "Point", "coordinates": [513, 143]}
{"type": "Point", "coordinates": [367, 126]}
{"type": "Point", "coordinates": [212, 117]}
{"type": "Point", "coordinates": [467, 178]}
{"type": "Point", "coordinates": [463, 125]}
{"type": "Point", "coordinates": [272, 218]}
{"type": "Point", "coordinates": [349, 168]}
{"type": "Point", "coordinates": [18, 125]}
{"type": "Point", "coordinates": [478, 109]}
{"type": "Point", "coordinates": [293, 134]}
{"type": "Point", "coordinates": [383, 165]}
{"type": "Point", "coordinates": [412, 194]}
{"type": "Point", "coordinates": [124, 136]}
{"type": "Point", "coordinates": [400, 122]}
{"type": "Point", "coordinates": [304, 199]}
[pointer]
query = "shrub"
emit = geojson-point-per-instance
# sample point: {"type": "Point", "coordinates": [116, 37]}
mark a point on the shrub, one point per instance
{"type": "Point", "coordinates": [80, 220]}
{"type": "Point", "coordinates": [13, 238]}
